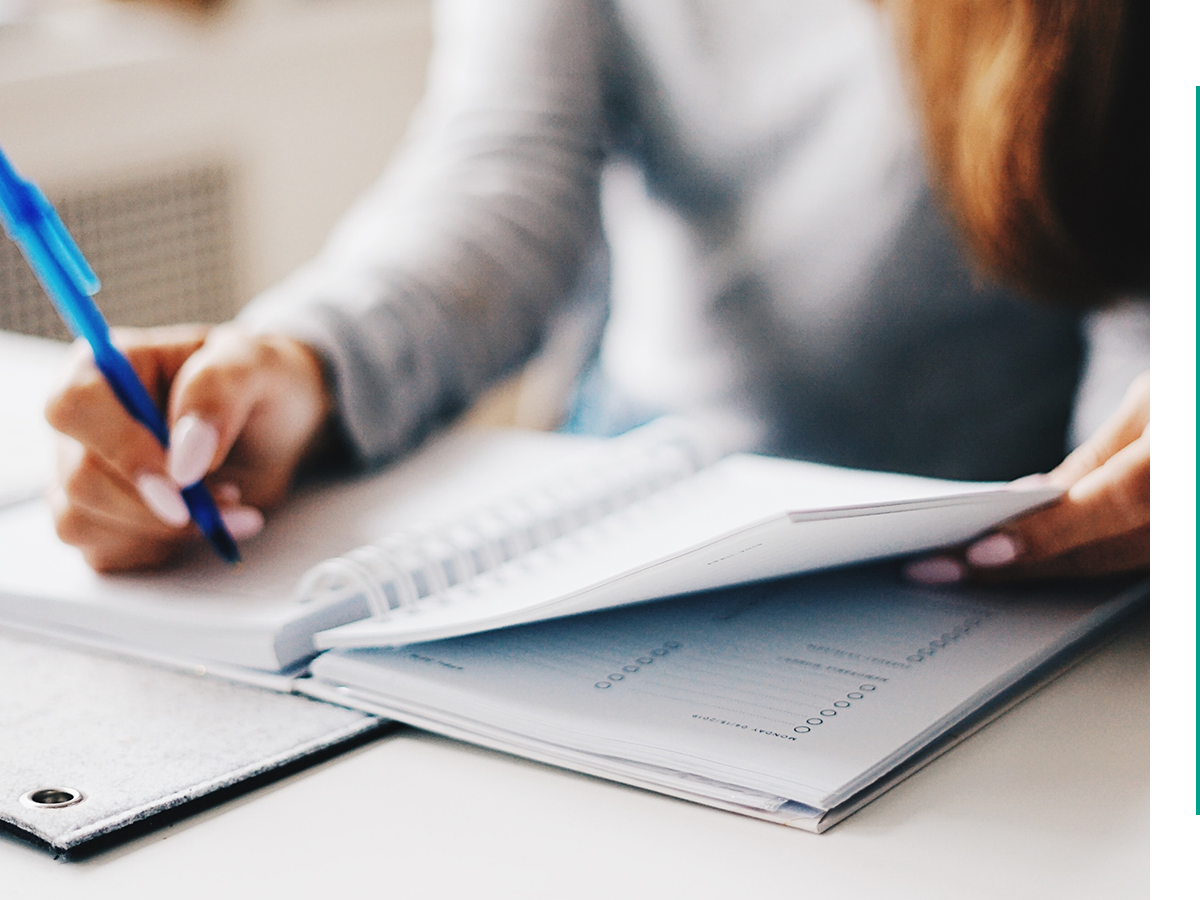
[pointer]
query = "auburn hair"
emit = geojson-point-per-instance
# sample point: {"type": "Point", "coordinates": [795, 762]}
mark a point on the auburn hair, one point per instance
{"type": "Point", "coordinates": [1036, 119]}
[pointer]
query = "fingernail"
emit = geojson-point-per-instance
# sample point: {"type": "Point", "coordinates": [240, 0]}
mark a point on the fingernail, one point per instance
{"type": "Point", "coordinates": [242, 521]}
{"type": "Point", "coordinates": [993, 550]}
{"type": "Point", "coordinates": [935, 570]}
{"type": "Point", "coordinates": [164, 500]}
{"type": "Point", "coordinates": [193, 444]}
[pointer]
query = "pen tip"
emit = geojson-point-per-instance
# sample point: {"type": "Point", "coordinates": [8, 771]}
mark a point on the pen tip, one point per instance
{"type": "Point", "coordinates": [224, 544]}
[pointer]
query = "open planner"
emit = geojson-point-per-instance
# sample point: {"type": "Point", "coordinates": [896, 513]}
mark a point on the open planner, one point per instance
{"type": "Point", "coordinates": [795, 701]}
{"type": "Point", "coordinates": [492, 589]}
{"type": "Point", "coordinates": [488, 530]}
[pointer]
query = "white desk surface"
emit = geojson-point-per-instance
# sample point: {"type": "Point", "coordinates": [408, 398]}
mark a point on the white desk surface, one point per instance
{"type": "Point", "coordinates": [1052, 801]}
{"type": "Point", "coordinates": [1049, 801]}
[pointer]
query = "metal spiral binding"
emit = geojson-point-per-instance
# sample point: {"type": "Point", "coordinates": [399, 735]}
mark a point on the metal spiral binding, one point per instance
{"type": "Point", "coordinates": [406, 569]}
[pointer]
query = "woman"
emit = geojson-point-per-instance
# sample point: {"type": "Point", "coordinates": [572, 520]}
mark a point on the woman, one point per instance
{"type": "Point", "coordinates": [823, 305]}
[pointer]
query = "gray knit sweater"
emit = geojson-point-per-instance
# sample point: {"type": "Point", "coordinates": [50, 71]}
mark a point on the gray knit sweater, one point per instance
{"type": "Point", "coordinates": [801, 280]}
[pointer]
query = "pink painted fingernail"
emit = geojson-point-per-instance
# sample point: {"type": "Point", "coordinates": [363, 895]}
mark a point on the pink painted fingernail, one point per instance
{"type": "Point", "coordinates": [193, 445]}
{"type": "Point", "coordinates": [242, 521]}
{"type": "Point", "coordinates": [993, 550]}
{"type": "Point", "coordinates": [163, 499]}
{"type": "Point", "coordinates": [935, 570]}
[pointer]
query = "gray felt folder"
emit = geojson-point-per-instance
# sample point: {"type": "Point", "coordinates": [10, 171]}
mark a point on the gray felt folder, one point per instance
{"type": "Point", "coordinates": [95, 746]}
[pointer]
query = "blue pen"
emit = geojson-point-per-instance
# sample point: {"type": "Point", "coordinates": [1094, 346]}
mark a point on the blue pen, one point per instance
{"type": "Point", "coordinates": [69, 281]}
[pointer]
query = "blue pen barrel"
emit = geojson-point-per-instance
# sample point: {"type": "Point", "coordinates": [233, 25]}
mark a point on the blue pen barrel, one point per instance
{"type": "Point", "coordinates": [69, 281]}
{"type": "Point", "coordinates": [207, 517]}
{"type": "Point", "coordinates": [76, 308]}
{"type": "Point", "coordinates": [129, 390]}
{"type": "Point", "coordinates": [133, 396]}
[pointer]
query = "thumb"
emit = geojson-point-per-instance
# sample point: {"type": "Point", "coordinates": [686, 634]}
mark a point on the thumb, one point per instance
{"type": "Point", "coordinates": [251, 405]}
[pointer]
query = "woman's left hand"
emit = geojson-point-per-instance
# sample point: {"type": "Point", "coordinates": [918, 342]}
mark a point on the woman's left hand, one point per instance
{"type": "Point", "coordinates": [1100, 526]}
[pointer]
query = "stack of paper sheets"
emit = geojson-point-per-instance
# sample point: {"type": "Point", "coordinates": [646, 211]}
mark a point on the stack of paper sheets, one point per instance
{"type": "Point", "coordinates": [794, 701]}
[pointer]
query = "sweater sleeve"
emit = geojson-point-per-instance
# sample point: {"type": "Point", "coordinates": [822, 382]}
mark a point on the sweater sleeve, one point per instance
{"type": "Point", "coordinates": [443, 276]}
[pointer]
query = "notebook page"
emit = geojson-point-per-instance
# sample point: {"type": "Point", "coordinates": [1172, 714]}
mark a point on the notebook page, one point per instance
{"type": "Point", "coordinates": [805, 689]}
{"type": "Point", "coordinates": [205, 609]}
{"type": "Point", "coordinates": [26, 440]}
{"type": "Point", "coordinates": [744, 518]}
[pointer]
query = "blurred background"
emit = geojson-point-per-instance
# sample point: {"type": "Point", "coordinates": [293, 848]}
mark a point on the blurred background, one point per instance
{"type": "Point", "coordinates": [198, 151]}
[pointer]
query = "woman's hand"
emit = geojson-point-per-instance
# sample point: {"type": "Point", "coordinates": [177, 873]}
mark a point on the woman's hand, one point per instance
{"type": "Point", "coordinates": [1100, 526]}
{"type": "Point", "coordinates": [243, 410]}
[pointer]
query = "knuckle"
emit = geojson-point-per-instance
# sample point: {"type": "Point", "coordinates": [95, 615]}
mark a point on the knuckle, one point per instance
{"type": "Point", "coordinates": [228, 337]}
{"type": "Point", "coordinates": [219, 377]}
{"type": "Point", "coordinates": [57, 410]}
{"type": "Point", "coordinates": [136, 454]}
{"type": "Point", "coordinates": [81, 480]}
{"type": "Point", "coordinates": [71, 525]}
{"type": "Point", "coordinates": [69, 406]}
{"type": "Point", "coordinates": [214, 390]}
{"type": "Point", "coordinates": [272, 353]}
{"type": "Point", "coordinates": [67, 454]}
{"type": "Point", "coordinates": [1032, 538]}
{"type": "Point", "coordinates": [1131, 502]}
{"type": "Point", "coordinates": [128, 557]}
{"type": "Point", "coordinates": [102, 561]}
{"type": "Point", "coordinates": [1089, 456]}
{"type": "Point", "coordinates": [232, 376]}
{"type": "Point", "coordinates": [139, 341]}
{"type": "Point", "coordinates": [1038, 534]}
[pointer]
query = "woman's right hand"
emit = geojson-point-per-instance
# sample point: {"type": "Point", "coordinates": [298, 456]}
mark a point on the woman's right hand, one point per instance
{"type": "Point", "coordinates": [243, 410]}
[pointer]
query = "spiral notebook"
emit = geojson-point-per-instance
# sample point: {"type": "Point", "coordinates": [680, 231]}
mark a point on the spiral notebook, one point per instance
{"type": "Point", "coordinates": [483, 530]}
{"type": "Point", "coordinates": [796, 701]}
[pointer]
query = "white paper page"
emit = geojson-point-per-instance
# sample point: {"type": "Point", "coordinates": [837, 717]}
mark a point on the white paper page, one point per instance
{"type": "Point", "coordinates": [745, 518]}
{"type": "Point", "coordinates": [29, 368]}
{"type": "Point", "coordinates": [798, 689]}
{"type": "Point", "coordinates": [202, 608]}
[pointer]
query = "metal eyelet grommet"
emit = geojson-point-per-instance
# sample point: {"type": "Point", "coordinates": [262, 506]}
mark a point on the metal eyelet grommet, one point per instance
{"type": "Point", "coordinates": [51, 798]}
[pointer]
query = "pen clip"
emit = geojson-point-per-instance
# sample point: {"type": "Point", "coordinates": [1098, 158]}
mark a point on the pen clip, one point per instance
{"type": "Point", "coordinates": [65, 250]}
{"type": "Point", "coordinates": [25, 208]}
